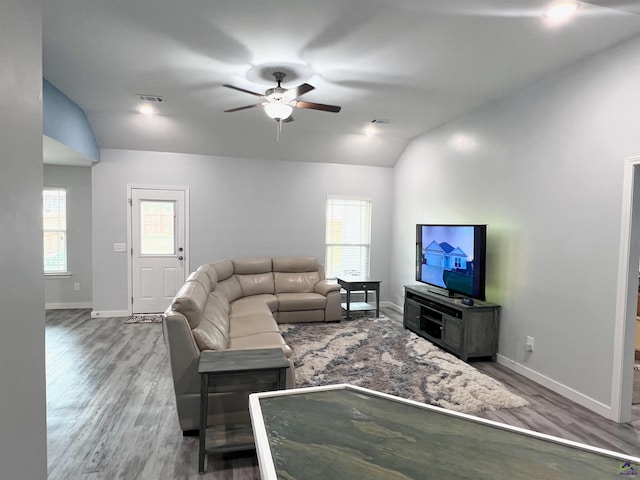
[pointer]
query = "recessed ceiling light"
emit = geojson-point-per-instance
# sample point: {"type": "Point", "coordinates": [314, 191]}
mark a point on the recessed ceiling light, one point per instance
{"type": "Point", "coordinates": [463, 142]}
{"type": "Point", "coordinates": [146, 109]}
{"type": "Point", "coordinates": [561, 11]}
{"type": "Point", "coordinates": [372, 127]}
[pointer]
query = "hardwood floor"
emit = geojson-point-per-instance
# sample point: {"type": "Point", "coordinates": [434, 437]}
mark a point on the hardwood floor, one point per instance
{"type": "Point", "coordinates": [111, 409]}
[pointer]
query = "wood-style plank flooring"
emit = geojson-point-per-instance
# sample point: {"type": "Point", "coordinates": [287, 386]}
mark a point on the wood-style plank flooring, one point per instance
{"type": "Point", "coordinates": [111, 409]}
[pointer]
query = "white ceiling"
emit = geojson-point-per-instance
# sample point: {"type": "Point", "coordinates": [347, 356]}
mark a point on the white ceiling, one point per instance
{"type": "Point", "coordinates": [417, 63]}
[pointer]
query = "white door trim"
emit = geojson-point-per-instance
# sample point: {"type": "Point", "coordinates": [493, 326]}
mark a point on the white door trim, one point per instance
{"type": "Point", "coordinates": [131, 187]}
{"type": "Point", "coordinates": [626, 304]}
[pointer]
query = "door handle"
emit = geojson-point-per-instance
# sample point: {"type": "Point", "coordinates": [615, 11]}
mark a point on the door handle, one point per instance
{"type": "Point", "coordinates": [180, 257]}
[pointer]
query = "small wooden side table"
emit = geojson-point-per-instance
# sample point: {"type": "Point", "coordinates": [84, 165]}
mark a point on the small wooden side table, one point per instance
{"type": "Point", "coordinates": [248, 364]}
{"type": "Point", "coordinates": [360, 284]}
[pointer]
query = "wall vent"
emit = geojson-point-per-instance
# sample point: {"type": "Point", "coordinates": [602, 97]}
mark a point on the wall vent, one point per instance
{"type": "Point", "coordinates": [381, 121]}
{"type": "Point", "coordinates": [150, 98]}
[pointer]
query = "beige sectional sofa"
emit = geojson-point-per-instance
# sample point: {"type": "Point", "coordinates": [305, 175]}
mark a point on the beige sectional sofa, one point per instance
{"type": "Point", "coordinates": [237, 304]}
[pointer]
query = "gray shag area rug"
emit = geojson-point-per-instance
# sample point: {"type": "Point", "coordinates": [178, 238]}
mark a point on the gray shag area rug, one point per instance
{"type": "Point", "coordinates": [380, 354]}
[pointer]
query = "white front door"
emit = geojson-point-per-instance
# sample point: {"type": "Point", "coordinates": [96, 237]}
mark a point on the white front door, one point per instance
{"type": "Point", "coordinates": [158, 247]}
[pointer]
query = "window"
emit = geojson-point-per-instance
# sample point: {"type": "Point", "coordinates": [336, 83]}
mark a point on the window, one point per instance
{"type": "Point", "coordinates": [157, 224]}
{"type": "Point", "coordinates": [54, 215]}
{"type": "Point", "coordinates": [348, 238]}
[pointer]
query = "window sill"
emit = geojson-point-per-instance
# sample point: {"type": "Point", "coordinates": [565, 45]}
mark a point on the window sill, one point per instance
{"type": "Point", "coordinates": [58, 275]}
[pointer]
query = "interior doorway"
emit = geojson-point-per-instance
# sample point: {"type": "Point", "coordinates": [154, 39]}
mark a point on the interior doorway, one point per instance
{"type": "Point", "coordinates": [627, 295]}
{"type": "Point", "coordinates": [158, 236]}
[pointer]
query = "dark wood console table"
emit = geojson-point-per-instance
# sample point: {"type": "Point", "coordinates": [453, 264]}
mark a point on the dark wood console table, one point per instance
{"type": "Point", "coordinates": [269, 364]}
{"type": "Point", "coordinates": [360, 284]}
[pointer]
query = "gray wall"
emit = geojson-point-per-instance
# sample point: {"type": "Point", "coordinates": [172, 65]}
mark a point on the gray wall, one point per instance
{"type": "Point", "coordinates": [545, 174]}
{"type": "Point", "coordinates": [238, 208]}
{"type": "Point", "coordinates": [59, 292]}
{"type": "Point", "coordinates": [23, 441]}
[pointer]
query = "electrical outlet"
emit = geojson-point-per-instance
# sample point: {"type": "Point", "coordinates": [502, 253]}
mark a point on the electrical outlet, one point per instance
{"type": "Point", "coordinates": [76, 287]}
{"type": "Point", "coordinates": [529, 344]}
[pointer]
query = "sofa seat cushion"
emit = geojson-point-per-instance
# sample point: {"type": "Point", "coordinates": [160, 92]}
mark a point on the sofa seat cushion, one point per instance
{"type": "Point", "coordinates": [288, 302]}
{"type": "Point", "coordinates": [241, 327]}
{"type": "Point", "coordinates": [260, 340]}
{"type": "Point", "coordinates": [254, 304]}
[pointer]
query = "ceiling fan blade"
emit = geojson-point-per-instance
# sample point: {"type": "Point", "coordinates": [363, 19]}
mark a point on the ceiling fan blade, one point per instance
{"type": "Point", "coordinates": [243, 90]}
{"type": "Point", "coordinates": [299, 90]}
{"type": "Point", "coordinates": [318, 106]}
{"type": "Point", "coordinates": [243, 108]}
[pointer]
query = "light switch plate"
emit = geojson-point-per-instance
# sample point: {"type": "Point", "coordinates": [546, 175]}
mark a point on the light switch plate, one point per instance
{"type": "Point", "coordinates": [119, 247]}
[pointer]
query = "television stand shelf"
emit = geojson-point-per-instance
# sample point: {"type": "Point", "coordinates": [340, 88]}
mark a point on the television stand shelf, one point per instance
{"type": "Point", "coordinates": [466, 331]}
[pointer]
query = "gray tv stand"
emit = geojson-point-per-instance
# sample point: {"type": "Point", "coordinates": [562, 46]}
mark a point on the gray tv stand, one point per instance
{"type": "Point", "coordinates": [466, 331]}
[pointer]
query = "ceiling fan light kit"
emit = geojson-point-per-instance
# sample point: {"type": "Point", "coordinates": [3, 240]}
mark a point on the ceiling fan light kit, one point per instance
{"type": "Point", "coordinates": [278, 110]}
{"type": "Point", "coordinates": [279, 102]}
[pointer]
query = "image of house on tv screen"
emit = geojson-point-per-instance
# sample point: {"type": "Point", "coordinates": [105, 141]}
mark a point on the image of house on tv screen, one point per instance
{"type": "Point", "coordinates": [447, 257]}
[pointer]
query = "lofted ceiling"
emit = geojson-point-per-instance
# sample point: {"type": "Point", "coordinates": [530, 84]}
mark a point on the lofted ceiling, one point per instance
{"type": "Point", "coordinates": [416, 63]}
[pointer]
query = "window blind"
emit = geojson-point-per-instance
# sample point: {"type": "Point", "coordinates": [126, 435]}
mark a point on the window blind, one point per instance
{"type": "Point", "coordinates": [348, 237]}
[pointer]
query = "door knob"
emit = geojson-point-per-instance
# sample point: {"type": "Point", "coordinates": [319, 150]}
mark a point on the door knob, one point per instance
{"type": "Point", "coordinates": [180, 257]}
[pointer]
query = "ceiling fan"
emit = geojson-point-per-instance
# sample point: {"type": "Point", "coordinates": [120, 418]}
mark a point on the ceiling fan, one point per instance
{"type": "Point", "coordinates": [279, 102]}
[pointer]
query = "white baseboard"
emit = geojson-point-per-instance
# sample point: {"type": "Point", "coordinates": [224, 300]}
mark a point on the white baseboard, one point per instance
{"type": "Point", "coordinates": [109, 313]}
{"type": "Point", "coordinates": [392, 306]}
{"type": "Point", "coordinates": [67, 306]}
{"type": "Point", "coordinates": [567, 392]}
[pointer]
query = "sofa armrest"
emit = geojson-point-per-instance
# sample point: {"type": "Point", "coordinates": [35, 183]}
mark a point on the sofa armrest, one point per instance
{"type": "Point", "coordinates": [183, 351]}
{"type": "Point", "coordinates": [323, 287]}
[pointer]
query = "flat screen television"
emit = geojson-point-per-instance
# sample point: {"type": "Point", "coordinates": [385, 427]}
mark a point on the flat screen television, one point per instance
{"type": "Point", "coordinates": [452, 258]}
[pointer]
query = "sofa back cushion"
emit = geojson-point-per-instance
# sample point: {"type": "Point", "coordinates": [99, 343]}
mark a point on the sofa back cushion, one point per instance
{"type": "Point", "coordinates": [256, 284]}
{"type": "Point", "coordinates": [218, 301]}
{"type": "Point", "coordinates": [223, 269]}
{"type": "Point", "coordinates": [302, 282]}
{"type": "Point", "coordinates": [229, 288]}
{"type": "Point", "coordinates": [295, 264]}
{"type": "Point", "coordinates": [243, 266]}
{"type": "Point", "coordinates": [201, 277]}
{"type": "Point", "coordinates": [213, 331]}
{"type": "Point", "coordinates": [190, 302]}
{"type": "Point", "coordinates": [209, 270]}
